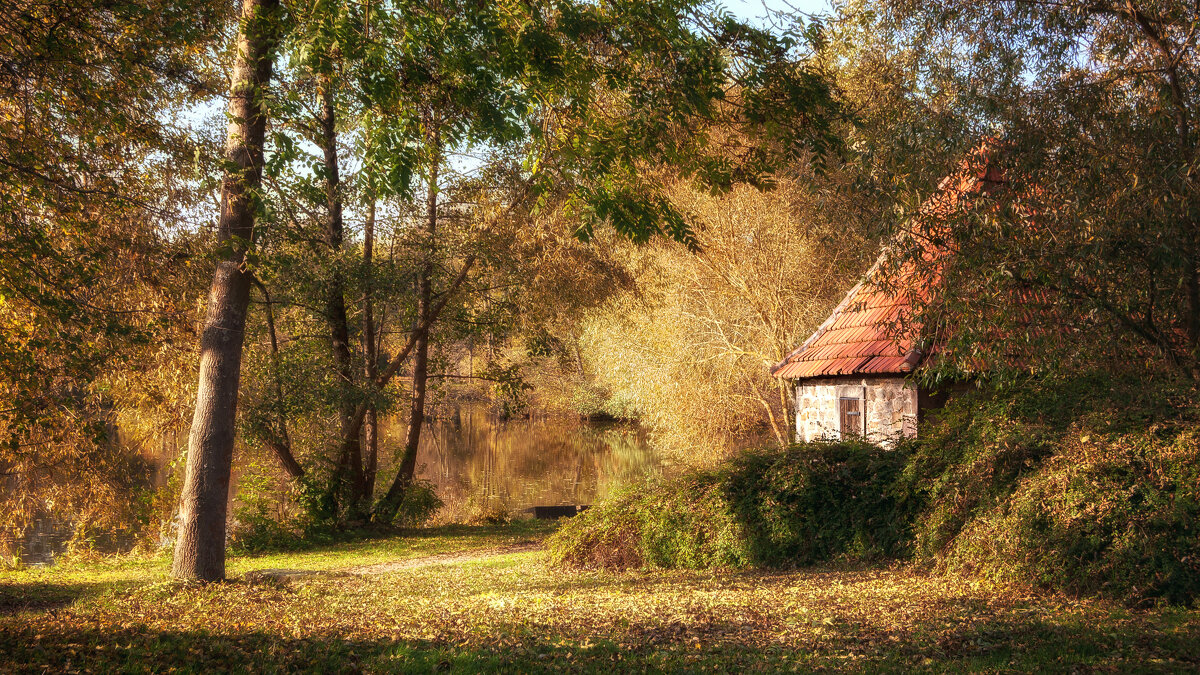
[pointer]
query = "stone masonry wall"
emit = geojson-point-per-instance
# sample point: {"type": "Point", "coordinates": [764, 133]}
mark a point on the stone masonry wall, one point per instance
{"type": "Point", "coordinates": [890, 408]}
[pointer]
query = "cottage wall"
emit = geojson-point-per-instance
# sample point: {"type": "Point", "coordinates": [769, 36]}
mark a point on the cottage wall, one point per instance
{"type": "Point", "coordinates": [891, 408]}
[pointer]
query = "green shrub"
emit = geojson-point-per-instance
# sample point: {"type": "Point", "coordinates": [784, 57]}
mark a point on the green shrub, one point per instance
{"type": "Point", "coordinates": [800, 505]}
{"type": "Point", "coordinates": [822, 502]}
{"type": "Point", "coordinates": [260, 522]}
{"type": "Point", "coordinates": [1089, 485]}
{"type": "Point", "coordinates": [420, 503]}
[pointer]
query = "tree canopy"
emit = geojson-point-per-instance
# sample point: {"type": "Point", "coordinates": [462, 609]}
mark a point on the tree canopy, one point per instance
{"type": "Point", "coordinates": [292, 221]}
{"type": "Point", "coordinates": [1089, 254]}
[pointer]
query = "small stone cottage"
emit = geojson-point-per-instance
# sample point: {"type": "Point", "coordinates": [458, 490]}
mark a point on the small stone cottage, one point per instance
{"type": "Point", "coordinates": [852, 376]}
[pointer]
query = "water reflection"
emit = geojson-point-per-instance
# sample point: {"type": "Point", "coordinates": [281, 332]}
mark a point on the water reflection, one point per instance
{"type": "Point", "coordinates": [480, 464]}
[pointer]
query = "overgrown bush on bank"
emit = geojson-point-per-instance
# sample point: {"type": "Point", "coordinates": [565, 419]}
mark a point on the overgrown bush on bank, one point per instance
{"type": "Point", "coordinates": [1088, 486]}
{"type": "Point", "coordinates": [801, 505]}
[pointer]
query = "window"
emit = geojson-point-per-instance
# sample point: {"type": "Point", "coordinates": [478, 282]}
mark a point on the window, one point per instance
{"type": "Point", "coordinates": [850, 413]}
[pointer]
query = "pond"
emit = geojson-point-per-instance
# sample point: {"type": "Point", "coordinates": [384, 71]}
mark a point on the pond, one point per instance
{"type": "Point", "coordinates": [479, 465]}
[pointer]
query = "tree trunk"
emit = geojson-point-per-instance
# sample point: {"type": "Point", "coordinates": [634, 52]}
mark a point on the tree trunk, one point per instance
{"type": "Point", "coordinates": [348, 479]}
{"type": "Point", "coordinates": [386, 511]}
{"type": "Point", "coordinates": [277, 439]}
{"type": "Point", "coordinates": [393, 367]}
{"type": "Point", "coordinates": [370, 351]}
{"type": "Point", "coordinates": [204, 502]}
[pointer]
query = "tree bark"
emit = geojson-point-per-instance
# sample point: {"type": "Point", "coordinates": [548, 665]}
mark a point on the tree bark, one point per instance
{"type": "Point", "coordinates": [370, 350]}
{"type": "Point", "coordinates": [204, 502]}
{"type": "Point", "coordinates": [386, 511]}
{"type": "Point", "coordinates": [398, 360]}
{"type": "Point", "coordinates": [348, 479]}
{"type": "Point", "coordinates": [390, 504]}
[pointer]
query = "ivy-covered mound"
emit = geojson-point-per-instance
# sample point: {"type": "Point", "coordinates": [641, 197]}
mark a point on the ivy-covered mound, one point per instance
{"type": "Point", "coordinates": [1086, 486]}
{"type": "Point", "coordinates": [800, 505]}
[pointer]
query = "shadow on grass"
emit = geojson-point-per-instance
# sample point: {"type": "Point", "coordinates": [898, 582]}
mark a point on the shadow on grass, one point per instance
{"type": "Point", "coordinates": [349, 539]}
{"type": "Point", "coordinates": [999, 643]}
{"type": "Point", "coordinates": [143, 650]}
{"type": "Point", "coordinates": [37, 596]}
{"type": "Point", "coordinates": [1049, 644]}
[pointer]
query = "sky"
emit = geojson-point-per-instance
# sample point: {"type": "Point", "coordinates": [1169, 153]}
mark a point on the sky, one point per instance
{"type": "Point", "coordinates": [756, 9]}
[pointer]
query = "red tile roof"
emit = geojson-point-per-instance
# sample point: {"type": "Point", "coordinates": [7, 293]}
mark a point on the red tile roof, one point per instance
{"type": "Point", "coordinates": [861, 335]}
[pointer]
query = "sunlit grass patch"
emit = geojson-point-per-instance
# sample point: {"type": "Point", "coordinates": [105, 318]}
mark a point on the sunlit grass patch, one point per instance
{"type": "Point", "coordinates": [511, 612]}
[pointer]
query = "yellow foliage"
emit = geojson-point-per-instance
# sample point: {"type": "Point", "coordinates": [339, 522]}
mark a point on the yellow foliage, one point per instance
{"type": "Point", "coordinates": [691, 345]}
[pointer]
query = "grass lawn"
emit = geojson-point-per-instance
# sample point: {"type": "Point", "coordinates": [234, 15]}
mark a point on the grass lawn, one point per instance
{"type": "Point", "coordinates": [448, 611]}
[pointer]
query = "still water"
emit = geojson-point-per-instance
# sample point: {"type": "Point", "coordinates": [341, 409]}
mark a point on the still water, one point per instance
{"type": "Point", "coordinates": [480, 465]}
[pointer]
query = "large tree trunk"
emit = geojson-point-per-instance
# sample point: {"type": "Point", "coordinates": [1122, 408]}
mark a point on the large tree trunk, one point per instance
{"type": "Point", "coordinates": [386, 511]}
{"type": "Point", "coordinates": [349, 476]}
{"type": "Point", "coordinates": [200, 549]}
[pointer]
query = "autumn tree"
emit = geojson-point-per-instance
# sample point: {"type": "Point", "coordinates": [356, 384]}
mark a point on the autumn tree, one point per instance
{"type": "Point", "coordinates": [200, 548]}
{"type": "Point", "coordinates": [587, 95]}
{"type": "Point", "coordinates": [1089, 254]}
{"type": "Point", "coordinates": [96, 197]}
{"type": "Point", "coordinates": [581, 96]}
{"type": "Point", "coordinates": [687, 349]}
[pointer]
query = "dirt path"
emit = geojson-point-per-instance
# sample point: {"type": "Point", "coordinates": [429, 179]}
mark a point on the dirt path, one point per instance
{"type": "Point", "coordinates": [451, 558]}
